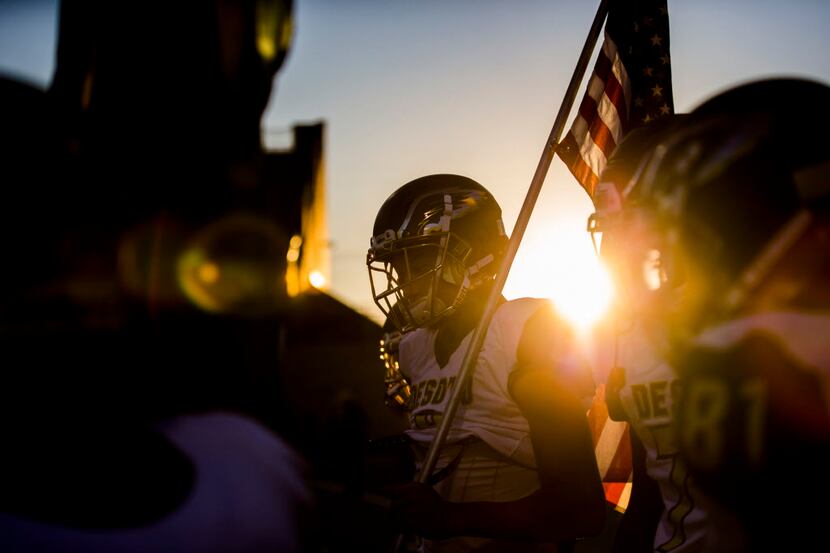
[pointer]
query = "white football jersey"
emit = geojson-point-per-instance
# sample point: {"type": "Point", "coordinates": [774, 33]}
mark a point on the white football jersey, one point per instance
{"type": "Point", "coordinates": [650, 386]}
{"type": "Point", "coordinates": [501, 466]}
{"type": "Point", "coordinates": [487, 410]}
{"type": "Point", "coordinates": [756, 424]}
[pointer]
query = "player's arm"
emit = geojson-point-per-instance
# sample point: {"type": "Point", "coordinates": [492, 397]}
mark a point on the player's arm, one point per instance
{"type": "Point", "coordinates": [549, 389]}
{"type": "Point", "coordinates": [570, 503]}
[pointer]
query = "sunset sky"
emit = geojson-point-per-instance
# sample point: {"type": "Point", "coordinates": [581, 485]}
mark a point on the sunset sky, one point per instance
{"type": "Point", "coordinates": [471, 87]}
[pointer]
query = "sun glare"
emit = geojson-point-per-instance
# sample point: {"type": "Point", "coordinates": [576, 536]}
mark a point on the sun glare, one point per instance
{"type": "Point", "coordinates": [557, 261]}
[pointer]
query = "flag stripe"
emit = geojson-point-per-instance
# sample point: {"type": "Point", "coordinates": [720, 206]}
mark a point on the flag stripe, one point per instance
{"type": "Point", "coordinates": [611, 440]}
{"type": "Point", "coordinates": [623, 103]}
{"type": "Point", "coordinates": [568, 151]}
{"type": "Point", "coordinates": [596, 108]}
{"type": "Point", "coordinates": [598, 414]}
{"type": "Point", "coordinates": [625, 496]}
{"type": "Point", "coordinates": [587, 151]}
{"type": "Point", "coordinates": [618, 494]}
{"type": "Point", "coordinates": [601, 133]}
{"type": "Point", "coordinates": [604, 102]}
{"type": "Point", "coordinates": [608, 450]}
{"type": "Point", "coordinates": [619, 469]}
{"type": "Point", "coordinates": [608, 93]}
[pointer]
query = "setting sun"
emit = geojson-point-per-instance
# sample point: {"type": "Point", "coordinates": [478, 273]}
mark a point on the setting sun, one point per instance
{"type": "Point", "coordinates": [556, 261]}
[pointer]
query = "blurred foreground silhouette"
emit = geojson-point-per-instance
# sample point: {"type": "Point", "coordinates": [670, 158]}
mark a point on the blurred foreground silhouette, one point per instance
{"type": "Point", "coordinates": [153, 353]}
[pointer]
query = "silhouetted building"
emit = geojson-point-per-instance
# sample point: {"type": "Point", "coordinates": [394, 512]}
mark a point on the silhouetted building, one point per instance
{"type": "Point", "coordinates": [330, 351]}
{"type": "Point", "coordinates": [299, 203]}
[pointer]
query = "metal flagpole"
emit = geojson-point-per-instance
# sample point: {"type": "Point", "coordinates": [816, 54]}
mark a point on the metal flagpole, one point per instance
{"type": "Point", "coordinates": [480, 331]}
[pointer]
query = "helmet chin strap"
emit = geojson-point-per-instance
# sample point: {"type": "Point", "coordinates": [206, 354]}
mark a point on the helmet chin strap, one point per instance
{"type": "Point", "coordinates": [472, 278]}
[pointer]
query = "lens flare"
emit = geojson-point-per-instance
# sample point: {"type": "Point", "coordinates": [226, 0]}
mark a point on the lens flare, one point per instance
{"type": "Point", "coordinates": [235, 265]}
{"type": "Point", "coordinates": [558, 261]}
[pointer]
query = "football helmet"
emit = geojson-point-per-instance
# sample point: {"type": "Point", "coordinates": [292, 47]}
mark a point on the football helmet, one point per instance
{"type": "Point", "coordinates": [434, 239]}
{"type": "Point", "coordinates": [630, 245]}
{"type": "Point", "coordinates": [733, 189]}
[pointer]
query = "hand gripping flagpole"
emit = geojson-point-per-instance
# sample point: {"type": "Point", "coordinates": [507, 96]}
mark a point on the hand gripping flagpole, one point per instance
{"type": "Point", "coordinates": [480, 331]}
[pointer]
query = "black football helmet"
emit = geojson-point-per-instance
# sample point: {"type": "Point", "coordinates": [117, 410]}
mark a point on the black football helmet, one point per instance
{"type": "Point", "coordinates": [434, 239]}
{"type": "Point", "coordinates": [735, 186]}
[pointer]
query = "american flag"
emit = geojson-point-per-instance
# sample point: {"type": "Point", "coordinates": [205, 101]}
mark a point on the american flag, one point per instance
{"type": "Point", "coordinates": [612, 447]}
{"type": "Point", "coordinates": [630, 86]}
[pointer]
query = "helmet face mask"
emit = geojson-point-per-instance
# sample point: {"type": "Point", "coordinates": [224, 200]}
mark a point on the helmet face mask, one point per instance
{"type": "Point", "coordinates": [645, 272]}
{"type": "Point", "coordinates": [435, 239]}
{"type": "Point", "coordinates": [420, 277]}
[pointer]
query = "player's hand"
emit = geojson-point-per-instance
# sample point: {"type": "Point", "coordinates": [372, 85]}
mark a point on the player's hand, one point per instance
{"type": "Point", "coordinates": [418, 508]}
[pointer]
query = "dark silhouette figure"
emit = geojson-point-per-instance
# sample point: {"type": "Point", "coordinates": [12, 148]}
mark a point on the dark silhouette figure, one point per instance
{"type": "Point", "coordinates": [139, 297]}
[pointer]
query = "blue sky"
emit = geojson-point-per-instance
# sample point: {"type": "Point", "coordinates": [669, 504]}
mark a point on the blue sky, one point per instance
{"type": "Point", "coordinates": [472, 87]}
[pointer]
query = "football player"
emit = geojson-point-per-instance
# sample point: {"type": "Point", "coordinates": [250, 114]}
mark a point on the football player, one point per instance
{"type": "Point", "coordinates": [518, 471]}
{"type": "Point", "coordinates": [742, 198]}
{"type": "Point", "coordinates": [664, 512]}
